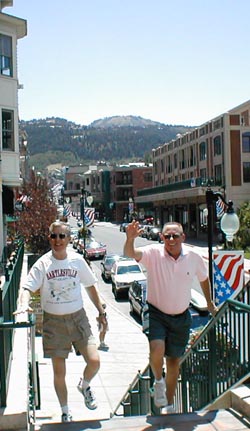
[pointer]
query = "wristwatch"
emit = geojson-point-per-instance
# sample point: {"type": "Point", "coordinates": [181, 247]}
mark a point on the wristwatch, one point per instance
{"type": "Point", "coordinates": [104, 314]}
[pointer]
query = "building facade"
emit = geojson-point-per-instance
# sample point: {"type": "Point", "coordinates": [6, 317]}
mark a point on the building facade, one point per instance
{"type": "Point", "coordinates": [125, 182]}
{"type": "Point", "coordinates": [215, 154]}
{"type": "Point", "coordinates": [11, 30]}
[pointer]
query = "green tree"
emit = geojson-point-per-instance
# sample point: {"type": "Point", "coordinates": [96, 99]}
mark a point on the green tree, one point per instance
{"type": "Point", "coordinates": [38, 213]}
{"type": "Point", "coordinates": [243, 234]}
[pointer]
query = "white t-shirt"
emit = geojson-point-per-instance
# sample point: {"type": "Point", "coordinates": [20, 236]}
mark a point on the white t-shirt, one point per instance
{"type": "Point", "coordinates": [60, 282]}
{"type": "Point", "coordinates": [169, 280]}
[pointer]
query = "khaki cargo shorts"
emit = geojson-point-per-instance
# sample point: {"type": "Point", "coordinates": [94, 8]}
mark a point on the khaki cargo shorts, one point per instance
{"type": "Point", "coordinates": [60, 332]}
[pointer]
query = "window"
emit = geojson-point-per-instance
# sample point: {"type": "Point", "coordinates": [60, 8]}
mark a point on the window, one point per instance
{"type": "Point", "coordinates": [203, 151]}
{"type": "Point", "coordinates": [246, 172]}
{"type": "Point", "coordinates": [8, 130]}
{"type": "Point", "coordinates": [203, 174]}
{"type": "Point", "coordinates": [147, 177]}
{"type": "Point", "coordinates": [217, 146]}
{"type": "Point", "coordinates": [175, 161]}
{"type": "Point", "coordinates": [6, 55]}
{"type": "Point", "coordinates": [191, 156]}
{"type": "Point", "coordinates": [218, 174]}
{"type": "Point", "coordinates": [246, 142]}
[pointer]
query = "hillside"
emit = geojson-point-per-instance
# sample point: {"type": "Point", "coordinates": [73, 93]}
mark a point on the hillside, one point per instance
{"type": "Point", "coordinates": [112, 139]}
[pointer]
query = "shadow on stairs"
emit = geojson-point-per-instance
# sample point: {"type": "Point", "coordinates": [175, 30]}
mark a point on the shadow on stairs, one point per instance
{"type": "Point", "coordinates": [216, 420]}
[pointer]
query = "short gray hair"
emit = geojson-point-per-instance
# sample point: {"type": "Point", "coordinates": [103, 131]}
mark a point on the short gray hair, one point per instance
{"type": "Point", "coordinates": [59, 223]}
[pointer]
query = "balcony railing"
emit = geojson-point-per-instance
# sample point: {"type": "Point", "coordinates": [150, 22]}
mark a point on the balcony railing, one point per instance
{"type": "Point", "coordinates": [181, 185]}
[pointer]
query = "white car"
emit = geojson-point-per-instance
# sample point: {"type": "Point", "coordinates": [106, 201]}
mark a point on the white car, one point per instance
{"type": "Point", "coordinates": [123, 273]}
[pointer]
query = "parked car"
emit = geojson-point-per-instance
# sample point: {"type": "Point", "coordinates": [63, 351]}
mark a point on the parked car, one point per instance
{"type": "Point", "coordinates": [137, 295]}
{"type": "Point", "coordinates": [146, 228]}
{"type": "Point", "coordinates": [154, 233]}
{"type": "Point", "coordinates": [107, 263]}
{"type": "Point", "coordinates": [75, 242]}
{"type": "Point", "coordinates": [93, 249]}
{"type": "Point", "coordinates": [73, 235]}
{"type": "Point", "coordinates": [123, 273]}
{"type": "Point", "coordinates": [123, 227]}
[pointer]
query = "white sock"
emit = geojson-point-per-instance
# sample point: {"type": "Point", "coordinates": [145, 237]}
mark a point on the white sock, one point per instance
{"type": "Point", "coordinates": [85, 384]}
{"type": "Point", "coordinates": [65, 409]}
{"type": "Point", "coordinates": [159, 381]}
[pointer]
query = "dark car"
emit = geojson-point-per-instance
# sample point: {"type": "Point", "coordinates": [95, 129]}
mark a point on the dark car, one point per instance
{"type": "Point", "coordinates": [123, 227]}
{"type": "Point", "coordinates": [137, 295]}
{"type": "Point", "coordinates": [106, 265]}
{"type": "Point", "coordinates": [154, 233]}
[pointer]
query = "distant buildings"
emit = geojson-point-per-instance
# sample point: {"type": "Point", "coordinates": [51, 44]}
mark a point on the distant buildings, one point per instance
{"type": "Point", "coordinates": [215, 153]}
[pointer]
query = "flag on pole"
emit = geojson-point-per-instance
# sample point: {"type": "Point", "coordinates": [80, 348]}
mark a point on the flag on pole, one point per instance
{"type": "Point", "coordinates": [89, 216]}
{"type": "Point", "coordinates": [220, 208]}
{"type": "Point", "coordinates": [228, 274]}
{"type": "Point", "coordinates": [66, 210]}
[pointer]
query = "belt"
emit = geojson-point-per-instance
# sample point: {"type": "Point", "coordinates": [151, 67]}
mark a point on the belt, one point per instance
{"type": "Point", "coordinates": [170, 315]}
{"type": "Point", "coordinates": [177, 315]}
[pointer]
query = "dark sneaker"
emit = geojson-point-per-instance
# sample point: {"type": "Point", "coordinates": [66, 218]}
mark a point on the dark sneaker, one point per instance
{"type": "Point", "coordinates": [66, 417]}
{"type": "Point", "coordinates": [89, 397]}
{"type": "Point", "coordinates": [103, 346]}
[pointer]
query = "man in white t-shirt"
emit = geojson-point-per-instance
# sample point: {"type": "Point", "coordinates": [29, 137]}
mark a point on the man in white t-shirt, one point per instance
{"type": "Point", "coordinates": [171, 268]}
{"type": "Point", "coordinates": [60, 275]}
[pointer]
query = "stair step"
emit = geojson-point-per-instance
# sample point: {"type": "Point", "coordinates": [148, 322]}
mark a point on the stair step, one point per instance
{"type": "Point", "coordinates": [217, 420]}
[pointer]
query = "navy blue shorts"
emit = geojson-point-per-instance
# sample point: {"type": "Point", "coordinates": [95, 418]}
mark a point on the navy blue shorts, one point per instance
{"type": "Point", "coordinates": [174, 329]}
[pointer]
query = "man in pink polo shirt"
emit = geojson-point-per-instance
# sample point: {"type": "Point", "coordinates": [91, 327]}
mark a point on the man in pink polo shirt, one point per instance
{"type": "Point", "coordinates": [171, 269]}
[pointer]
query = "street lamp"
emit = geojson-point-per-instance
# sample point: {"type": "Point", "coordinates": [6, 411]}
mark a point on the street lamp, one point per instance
{"type": "Point", "coordinates": [229, 225]}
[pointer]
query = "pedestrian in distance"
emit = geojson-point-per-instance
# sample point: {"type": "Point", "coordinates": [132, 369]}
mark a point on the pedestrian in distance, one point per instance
{"type": "Point", "coordinates": [103, 328]}
{"type": "Point", "coordinates": [60, 275]}
{"type": "Point", "coordinates": [171, 269]}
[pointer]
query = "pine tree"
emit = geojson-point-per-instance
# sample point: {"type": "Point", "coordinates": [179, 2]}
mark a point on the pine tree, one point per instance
{"type": "Point", "coordinates": [38, 212]}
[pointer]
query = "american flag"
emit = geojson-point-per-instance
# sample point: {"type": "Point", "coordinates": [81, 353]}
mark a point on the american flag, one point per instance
{"type": "Point", "coordinates": [220, 208]}
{"type": "Point", "coordinates": [228, 273]}
{"type": "Point", "coordinates": [89, 216]}
{"type": "Point", "coordinates": [66, 210]}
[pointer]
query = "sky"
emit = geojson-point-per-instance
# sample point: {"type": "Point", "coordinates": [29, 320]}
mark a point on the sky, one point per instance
{"type": "Point", "coordinates": [177, 62]}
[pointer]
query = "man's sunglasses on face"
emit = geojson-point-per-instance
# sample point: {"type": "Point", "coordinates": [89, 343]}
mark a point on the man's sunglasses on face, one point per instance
{"type": "Point", "coordinates": [172, 235]}
{"type": "Point", "coordinates": [59, 235]}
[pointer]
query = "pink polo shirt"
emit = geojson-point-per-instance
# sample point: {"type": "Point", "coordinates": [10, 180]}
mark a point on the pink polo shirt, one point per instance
{"type": "Point", "coordinates": [170, 280]}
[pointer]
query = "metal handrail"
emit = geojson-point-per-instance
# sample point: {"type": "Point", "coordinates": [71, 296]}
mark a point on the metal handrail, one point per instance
{"type": "Point", "coordinates": [28, 322]}
{"type": "Point", "coordinates": [8, 303]}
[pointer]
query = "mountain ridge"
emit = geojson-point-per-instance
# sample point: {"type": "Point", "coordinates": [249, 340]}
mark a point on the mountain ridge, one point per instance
{"type": "Point", "coordinates": [112, 139]}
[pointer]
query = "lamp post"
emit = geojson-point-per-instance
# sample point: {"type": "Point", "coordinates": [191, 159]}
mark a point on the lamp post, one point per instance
{"type": "Point", "coordinates": [89, 199]}
{"type": "Point", "coordinates": [229, 225]}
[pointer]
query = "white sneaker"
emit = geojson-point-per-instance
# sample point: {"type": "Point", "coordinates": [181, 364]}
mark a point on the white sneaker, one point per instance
{"type": "Point", "coordinates": [168, 409]}
{"type": "Point", "coordinates": [89, 397]}
{"type": "Point", "coordinates": [160, 398]}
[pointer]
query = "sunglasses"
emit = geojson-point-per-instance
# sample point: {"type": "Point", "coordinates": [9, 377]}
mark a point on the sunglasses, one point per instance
{"type": "Point", "coordinates": [59, 235]}
{"type": "Point", "coordinates": [173, 235]}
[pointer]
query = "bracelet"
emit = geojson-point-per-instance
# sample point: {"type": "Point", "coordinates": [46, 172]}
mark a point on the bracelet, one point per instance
{"type": "Point", "coordinates": [104, 314]}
